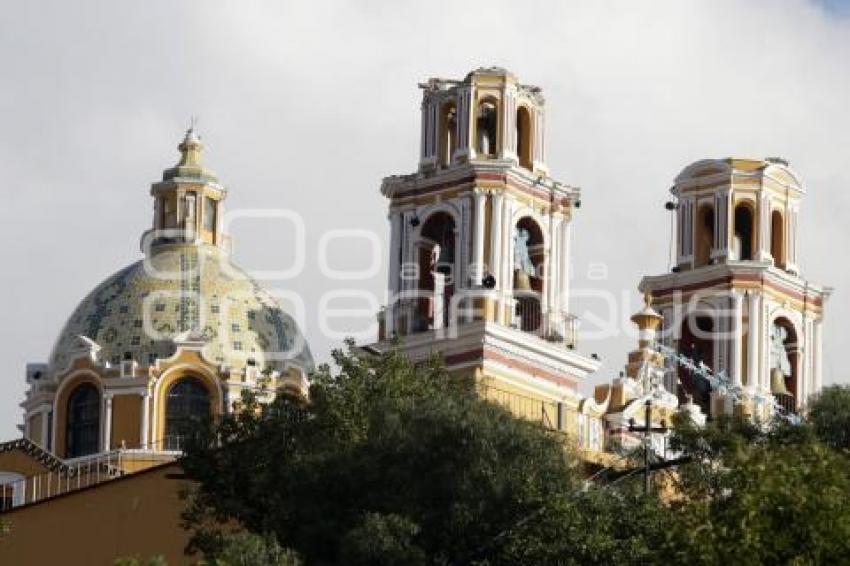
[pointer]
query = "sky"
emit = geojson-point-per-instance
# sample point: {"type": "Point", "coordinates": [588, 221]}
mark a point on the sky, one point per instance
{"type": "Point", "coordinates": [306, 106]}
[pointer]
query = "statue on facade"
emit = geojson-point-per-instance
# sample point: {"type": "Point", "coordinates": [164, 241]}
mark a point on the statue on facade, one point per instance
{"type": "Point", "coordinates": [522, 257]}
{"type": "Point", "coordinates": [778, 352]}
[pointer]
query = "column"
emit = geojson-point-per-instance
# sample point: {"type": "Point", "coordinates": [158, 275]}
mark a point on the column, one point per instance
{"type": "Point", "coordinates": [478, 242]}
{"type": "Point", "coordinates": [753, 326]}
{"type": "Point", "coordinates": [818, 355]}
{"type": "Point", "coordinates": [465, 117]}
{"type": "Point", "coordinates": [144, 436]}
{"type": "Point", "coordinates": [508, 255]}
{"type": "Point", "coordinates": [496, 238]}
{"type": "Point", "coordinates": [564, 257]}
{"type": "Point", "coordinates": [735, 361]}
{"type": "Point", "coordinates": [107, 423]}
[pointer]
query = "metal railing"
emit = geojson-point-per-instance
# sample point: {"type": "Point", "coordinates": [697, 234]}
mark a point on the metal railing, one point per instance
{"type": "Point", "coordinates": [86, 471]}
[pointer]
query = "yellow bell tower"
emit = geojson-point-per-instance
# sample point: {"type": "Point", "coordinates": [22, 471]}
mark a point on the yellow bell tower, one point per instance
{"type": "Point", "coordinates": [735, 299]}
{"type": "Point", "coordinates": [480, 247]}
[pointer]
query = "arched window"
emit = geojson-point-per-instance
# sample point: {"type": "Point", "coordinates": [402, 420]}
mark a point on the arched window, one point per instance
{"type": "Point", "coordinates": [486, 126]}
{"type": "Point", "coordinates": [448, 134]}
{"type": "Point", "coordinates": [777, 239]}
{"type": "Point", "coordinates": [83, 421]}
{"type": "Point", "coordinates": [744, 232]}
{"type": "Point", "coordinates": [437, 271]}
{"type": "Point", "coordinates": [704, 237]}
{"type": "Point", "coordinates": [523, 137]}
{"type": "Point", "coordinates": [187, 404]}
{"type": "Point", "coordinates": [529, 271]}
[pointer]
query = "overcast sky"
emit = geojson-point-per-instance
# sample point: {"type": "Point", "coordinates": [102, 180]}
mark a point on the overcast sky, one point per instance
{"type": "Point", "coordinates": [306, 106]}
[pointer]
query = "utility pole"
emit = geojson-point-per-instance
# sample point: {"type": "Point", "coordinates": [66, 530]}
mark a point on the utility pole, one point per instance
{"type": "Point", "coordinates": [647, 431]}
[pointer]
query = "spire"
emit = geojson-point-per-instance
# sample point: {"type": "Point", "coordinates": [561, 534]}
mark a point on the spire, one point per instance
{"type": "Point", "coordinates": [190, 166]}
{"type": "Point", "coordinates": [191, 147]}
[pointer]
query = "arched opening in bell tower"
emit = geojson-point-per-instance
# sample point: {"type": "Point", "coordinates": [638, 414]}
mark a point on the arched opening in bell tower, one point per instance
{"type": "Point", "coordinates": [697, 343]}
{"type": "Point", "coordinates": [777, 241]}
{"type": "Point", "coordinates": [448, 133]}
{"type": "Point", "coordinates": [523, 137]}
{"type": "Point", "coordinates": [436, 260]}
{"type": "Point", "coordinates": [704, 236]}
{"type": "Point", "coordinates": [528, 275]}
{"type": "Point", "coordinates": [784, 356]}
{"type": "Point", "coordinates": [486, 127]}
{"type": "Point", "coordinates": [743, 242]}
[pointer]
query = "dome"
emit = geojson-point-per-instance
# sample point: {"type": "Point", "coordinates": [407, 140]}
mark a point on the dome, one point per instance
{"type": "Point", "coordinates": [139, 311]}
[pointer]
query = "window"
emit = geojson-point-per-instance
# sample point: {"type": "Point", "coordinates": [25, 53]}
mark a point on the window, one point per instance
{"type": "Point", "coordinates": [704, 237]}
{"type": "Point", "coordinates": [235, 327]}
{"type": "Point", "coordinates": [237, 346]}
{"type": "Point", "coordinates": [135, 340]}
{"type": "Point", "coordinates": [448, 134]}
{"type": "Point", "coordinates": [83, 421]}
{"type": "Point", "coordinates": [486, 126]}
{"type": "Point", "coordinates": [523, 137]}
{"type": "Point", "coordinates": [777, 239]}
{"type": "Point", "coordinates": [743, 232]}
{"type": "Point", "coordinates": [187, 404]}
{"type": "Point", "coordinates": [209, 214]}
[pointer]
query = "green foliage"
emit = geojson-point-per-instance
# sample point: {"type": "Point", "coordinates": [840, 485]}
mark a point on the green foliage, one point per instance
{"type": "Point", "coordinates": [772, 495]}
{"type": "Point", "coordinates": [392, 463]}
{"type": "Point", "coordinates": [406, 459]}
{"type": "Point", "coordinates": [829, 413]}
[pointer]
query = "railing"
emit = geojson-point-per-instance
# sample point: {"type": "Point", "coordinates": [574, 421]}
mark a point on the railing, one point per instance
{"type": "Point", "coordinates": [86, 471]}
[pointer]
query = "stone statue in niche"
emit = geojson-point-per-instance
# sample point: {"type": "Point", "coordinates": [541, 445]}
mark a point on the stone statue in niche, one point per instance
{"type": "Point", "coordinates": [522, 257]}
{"type": "Point", "coordinates": [778, 352]}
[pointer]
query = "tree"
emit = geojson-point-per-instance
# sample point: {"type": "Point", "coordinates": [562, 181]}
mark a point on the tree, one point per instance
{"type": "Point", "coordinates": [390, 463]}
{"type": "Point", "coordinates": [829, 413]}
{"type": "Point", "coordinates": [761, 495]}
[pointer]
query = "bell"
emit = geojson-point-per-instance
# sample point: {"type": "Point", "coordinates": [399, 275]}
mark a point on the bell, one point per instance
{"type": "Point", "coordinates": [522, 282]}
{"type": "Point", "coordinates": [777, 382]}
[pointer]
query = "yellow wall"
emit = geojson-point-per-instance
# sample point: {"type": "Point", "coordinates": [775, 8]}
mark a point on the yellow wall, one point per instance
{"type": "Point", "coordinates": [138, 515]}
{"type": "Point", "coordinates": [20, 463]}
{"type": "Point", "coordinates": [126, 420]}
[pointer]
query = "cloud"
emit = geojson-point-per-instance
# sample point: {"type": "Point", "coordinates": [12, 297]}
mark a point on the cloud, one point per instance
{"type": "Point", "coordinates": [307, 105]}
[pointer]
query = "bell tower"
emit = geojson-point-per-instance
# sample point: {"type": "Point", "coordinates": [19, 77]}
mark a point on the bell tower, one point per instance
{"type": "Point", "coordinates": [480, 246]}
{"type": "Point", "coordinates": [736, 300]}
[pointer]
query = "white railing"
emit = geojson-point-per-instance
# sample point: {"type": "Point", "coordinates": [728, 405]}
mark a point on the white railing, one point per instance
{"type": "Point", "coordinates": [86, 471]}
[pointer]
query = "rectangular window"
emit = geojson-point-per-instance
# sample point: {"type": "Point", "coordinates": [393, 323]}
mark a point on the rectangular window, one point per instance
{"type": "Point", "coordinates": [209, 214]}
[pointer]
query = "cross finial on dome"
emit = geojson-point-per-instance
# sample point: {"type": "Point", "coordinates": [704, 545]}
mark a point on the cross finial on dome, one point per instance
{"type": "Point", "coordinates": [191, 146]}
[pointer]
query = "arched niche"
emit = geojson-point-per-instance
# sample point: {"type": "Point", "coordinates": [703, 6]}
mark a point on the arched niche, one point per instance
{"type": "Point", "coordinates": [437, 263]}
{"type": "Point", "coordinates": [785, 356]}
{"type": "Point", "coordinates": [448, 133]}
{"type": "Point", "coordinates": [487, 127]}
{"type": "Point", "coordinates": [697, 342]}
{"type": "Point", "coordinates": [524, 137]}
{"type": "Point", "coordinates": [777, 238]}
{"type": "Point", "coordinates": [744, 237]}
{"type": "Point", "coordinates": [529, 274]}
{"type": "Point", "coordinates": [703, 235]}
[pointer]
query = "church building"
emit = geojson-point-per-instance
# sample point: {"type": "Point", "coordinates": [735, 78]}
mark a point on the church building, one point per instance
{"type": "Point", "coordinates": [479, 274]}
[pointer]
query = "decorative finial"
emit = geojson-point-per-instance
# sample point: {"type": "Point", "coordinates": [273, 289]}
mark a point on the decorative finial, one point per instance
{"type": "Point", "coordinates": [647, 299]}
{"type": "Point", "coordinates": [190, 148]}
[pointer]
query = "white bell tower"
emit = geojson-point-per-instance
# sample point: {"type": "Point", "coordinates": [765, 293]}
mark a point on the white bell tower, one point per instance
{"type": "Point", "coordinates": [736, 300]}
{"type": "Point", "coordinates": [480, 243]}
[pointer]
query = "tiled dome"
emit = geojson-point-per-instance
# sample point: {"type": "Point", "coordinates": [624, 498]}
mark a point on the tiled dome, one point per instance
{"type": "Point", "coordinates": [137, 312]}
